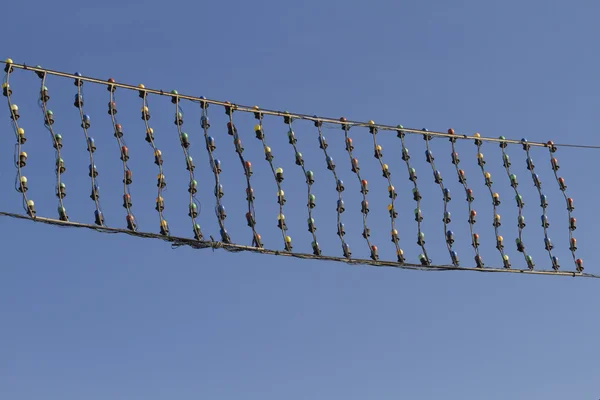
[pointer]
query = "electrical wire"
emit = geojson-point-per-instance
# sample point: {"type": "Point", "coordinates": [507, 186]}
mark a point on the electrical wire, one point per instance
{"type": "Point", "coordinates": [412, 176]}
{"type": "Point", "coordinates": [57, 145]}
{"type": "Point", "coordinates": [437, 177]}
{"type": "Point", "coordinates": [378, 154]}
{"type": "Point", "coordinates": [215, 166]}
{"type": "Point", "coordinates": [93, 171]}
{"type": "Point", "coordinates": [161, 182]}
{"type": "Point", "coordinates": [196, 244]}
{"type": "Point", "coordinates": [124, 156]}
{"type": "Point", "coordinates": [570, 207]}
{"type": "Point", "coordinates": [309, 178]}
{"type": "Point", "coordinates": [339, 185]}
{"type": "Point", "coordinates": [520, 204]}
{"type": "Point", "coordinates": [259, 131]}
{"type": "Point", "coordinates": [313, 118]}
{"type": "Point", "coordinates": [247, 167]}
{"type": "Point", "coordinates": [364, 204]}
{"type": "Point", "coordinates": [462, 179]}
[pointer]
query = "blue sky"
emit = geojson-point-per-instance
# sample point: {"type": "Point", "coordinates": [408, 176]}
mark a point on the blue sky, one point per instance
{"type": "Point", "coordinates": [86, 315]}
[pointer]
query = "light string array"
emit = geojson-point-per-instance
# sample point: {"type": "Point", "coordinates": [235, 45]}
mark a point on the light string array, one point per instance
{"type": "Point", "coordinates": [215, 164]}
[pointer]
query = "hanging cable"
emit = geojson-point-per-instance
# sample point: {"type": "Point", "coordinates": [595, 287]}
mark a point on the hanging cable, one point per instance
{"type": "Point", "coordinates": [543, 203]}
{"type": "Point", "coordinates": [412, 176]}
{"type": "Point", "coordinates": [20, 157]}
{"type": "Point", "coordinates": [184, 140]}
{"type": "Point", "coordinates": [570, 207]}
{"type": "Point", "coordinates": [91, 148]}
{"type": "Point", "coordinates": [61, 190]}
{"type": "Point", "coordinates": [520, 204]}
{"type": "Point", "coordinates": [339, 187]}
{"type": "Point", "coordinates": [124, 151]}
{"type": "Point", "coordinates": [378, 154]}
{"type": "Point", "coordinates": [437, 177]}
{"type": "Point", "coordinates": [312, 118]}
{"type": "Point", "coordinates": [309, 177]}
{"type": "Point", "coordinates": [215, 166]}
{"type": "Point", "coordinates": [161, 182]}
{"type": "Point", "coordinates": [364, 203]}
{"type": "Point", "coordinates": [195, 244]}
{"type": "Point", "coordinates": [247, 167]}
{"type": "Point", "coordinates": [495, 202]}
{"type": "Point", "coordinates": [470, 198]}
{"type": "Point", "coordinates": [259, 131]}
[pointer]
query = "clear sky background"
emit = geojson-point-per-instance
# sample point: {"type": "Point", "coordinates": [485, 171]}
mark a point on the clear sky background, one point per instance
{"type": "Point", "coordinates": [92, 316]}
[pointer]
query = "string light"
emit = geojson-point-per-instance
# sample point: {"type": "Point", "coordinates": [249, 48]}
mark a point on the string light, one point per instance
{"type": "Point", "coordinates": [85, 125]}
{"type": "Point", "coordinates": [437, 177]}
{"type": "Point", "coordinates": [364, 204]}
{"type": "Point", "coordinates": [247, 167]}
{"type": "Point", "coordinates": [570, 207]}
{"type": "Point", "coordinates": [57, 145]}
{"type": "Point", "coordinates": [124, 151]}
{"type": "Point", "coordinates": [309, 178]}
{"type": "Point", "coordinates": [161, 182]}
{"type": "Point", "coordinates": [194, 204]}
{"type": "Point", "coordinates": [412, 176]}
{"type": "Point", "coordinates": [259, 131]}
{"type": "Point", "coordinates": [378, 154]}
{"type": "Point", "coordinates": [19, 156]}
{"type": "Point", "coordinates": [215, 166]}
{"type": "Point", "coordinates": [488, 182]}
{"type": "Point", "coordinates": [520, 204]}
{"type": "Point", "coordinates": [339, 185]}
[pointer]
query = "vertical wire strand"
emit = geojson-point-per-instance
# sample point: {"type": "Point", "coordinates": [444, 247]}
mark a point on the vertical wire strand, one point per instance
{"type": "Point", "coordinates": [20, 179]}
{"type": "Point", "coordinates": [194, 207]}
{"type": "Point", "coordinates": [569, 203]}
{"type": "Point", "coordinates": [496, 222]}
{"type": "Point", "coordinates": [93, 173]}
{"type": "Point", "coordinates": [469, 197]}
{"type": "Point", "coordinates": [259, 131]}
{"type": "Point", "coordinates": [378, 154]}
{"type": "Point", "coordinates": [57, 145]}
{"type": "Point", "coordinates": [247, 167]}
{"type": "Point", "coordinates": [445, 196]}
{"type": "Point", "coordinates": [364, 204]}
{"type": "Point", "coordinates": [161, 180]}
{"type": "Point", "coordinates": [215, 166]}
{"type": "Point", "coordinates": [310, 198]}
{"type": "Point", "coordinates": [124, 156]}
{"type": "Point", "coordinates": [543, 203]}
{"type": "Point", "coordinates": [339, 189]}
{"type": "Point", "coordinates": [520, 204]}
{"type": "Point", "coordinates": [412, 176]}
